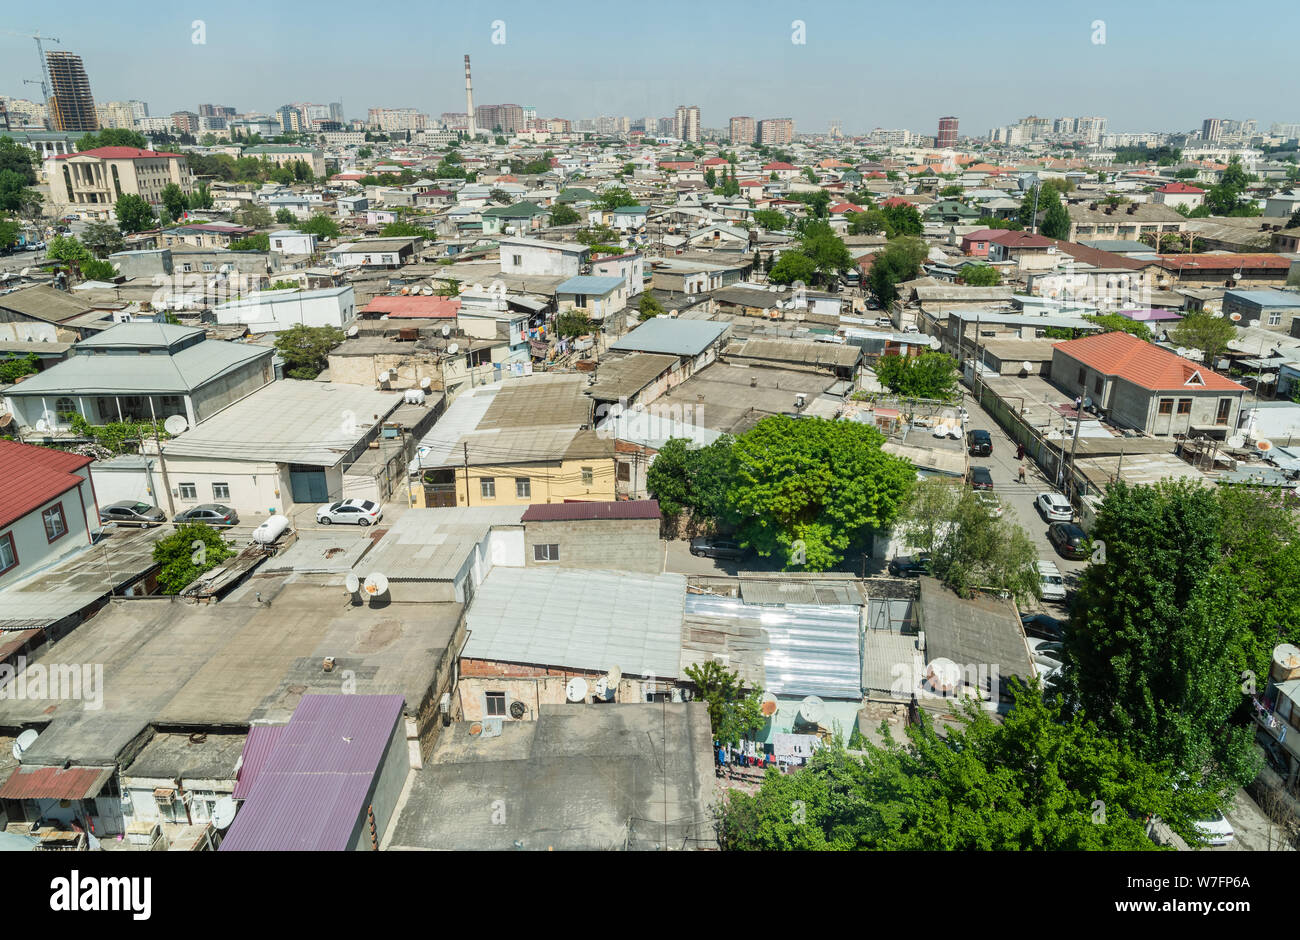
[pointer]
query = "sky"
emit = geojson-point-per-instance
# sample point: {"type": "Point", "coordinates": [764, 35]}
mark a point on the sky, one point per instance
{"type": "Point", "coordinates": [1162, 66]}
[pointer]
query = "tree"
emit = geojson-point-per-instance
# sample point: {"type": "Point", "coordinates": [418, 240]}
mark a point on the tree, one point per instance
{"type": "Point", "coordinates": [257, 242]}
{"type": "Point", "coordinates": [951, 192]}
{"type": "Point", "coordinates": [1028, 782]}
{"type": "Point", "coordinates": [902, 219]}
{"type": "Point", "coordinates": [867, 222]}
{"type": "Point", "coordinates": [616, 198]}
{"type": "Point", "coordinates": [649, 307]}
{"type": "Point", "coordinates": [14, 194]}
{"type": "Point", "coordinates": [900, 261]}
{"type": "Point", "coordinates": [989, 221]}
{"type": "Point", "coordinates": [8, 233]}
{"type": "Point", "coordinates": [66, 248]}
{"type": "Point", "coordinates": [818, 202]}
{"type": "Point", "coordinates": [771, 220]}
{"type": "Point", "coordinates": [14, 367]}
{"type": "Point", "coordinates": [596, 235]}
{"type": "Point", "coordinates": [133, 213]}
{"type": "Point", "coordinates": [187, 553]}
{"type": "Point", "coordinates": [285, 217]}
{"type": "Point", "coordinates": [201, 198]}
{"type": "Point", "coordinates": [930, 375]}
{"type": "Point", "coordinates": [1117, 323]}
{"type": "Point", "coordinates": [174, 200]}
{"type": "Point", "coordinates": [573, 323]}
{"type": "Point", "coordinates": [826, 250]}
{"type": "Point", "coordinates": [406, 230]}
{"type": "Point", "coordinates": [322, 226]}
{"type": "Point", "coordinates": [564, 215]}
{"type": "Point", "coordinates": [1155, 651]}
{"type": "Point", "coordinates": [1206, 332]}
{"type": "Point", "coordinates": [364, 153]}
{"type": "Point", "coordinates": [822, 484]}
{"type": "Point", "coordinates": [970, 548]}
{"type": "Point", "coordinates": [710, 178]}
{"type": "Point", "coordinates": [1056, 218]}
{"type": "Point", "coordinates": [499, 196]}
{"type": "Point", "coordinates": [102, 238]}
{"type": "Point", "coordinates": [981, 275]}
{"type": "Point", "coordinates": [92, 269]}
{"type": "Point", "coordinates": [305, 349]}
{"type": "Point", "coordinates": [792, 266]}
{"type": "Point", "coordinates": [113, 137]}
{"type": "Point", "coordinates": [255, 216]}
{"type": "Point", "coordinates": [1224, 198]}
{"type": "Point", "coordinates": [684, 476]}
{"type": "Point", "coordinates": [19, 160]}
{"type": "Point", "coordinates": [734, 711]}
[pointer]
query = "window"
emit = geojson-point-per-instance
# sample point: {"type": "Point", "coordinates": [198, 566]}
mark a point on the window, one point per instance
{"type": "Point", "coordinates": [1275, 318]}
{"type": "Point", "coordinates": [1225, 407]}
{"type": "Point", "coordinates": [8, 554]}
{"type": "Point", "coordinates": [1184, 406]}
{"type": "Point", "coordinates": [495, 704]}
{"type": "Point", "coordinates": [588, 476]}
{"type": "Point", "coordinates": [517, 260]}
{"type": "Point", "coordinates": [63, 406]}
{"type": "Point", "coordinates": [188, 490]}
{"type": "Point", "coordinates": [487, 487]}
{"type": "Point", "coordinates": [1083, 377]}
{"type": "Point", "coordinates": [221, 491]}
{"type": "Point", "coordinates": [1166, 406]}
{"type": "Point", "coordinates": [55, 525]}
{"type": "Point", "coordinates": [1096, 386]}
{"type": "Point", "coordinates": [549, 552]}
{"type": "Point", "coordinates": [523, 487]}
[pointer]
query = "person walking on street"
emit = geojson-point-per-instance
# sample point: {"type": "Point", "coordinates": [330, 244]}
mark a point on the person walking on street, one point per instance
{"type": "Point", "coordinates": [1022, 474]}
{"type": "Point", "coordinates": [1020, 451]}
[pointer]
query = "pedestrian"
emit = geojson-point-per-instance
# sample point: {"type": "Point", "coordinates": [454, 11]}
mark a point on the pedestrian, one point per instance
{"type": "Point", "coordinates": [1022, 474]}
{"type": "Point", "coordinates": [1020, 451]}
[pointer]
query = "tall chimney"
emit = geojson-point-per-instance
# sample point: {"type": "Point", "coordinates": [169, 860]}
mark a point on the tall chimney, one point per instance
{"type": "Point", "coordinates": [469, 100]}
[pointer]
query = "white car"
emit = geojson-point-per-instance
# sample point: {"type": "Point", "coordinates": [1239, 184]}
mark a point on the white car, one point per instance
{"type": "Point", "coordinates": [1050, 582]}
{"type": "Point", "coordinates": [1054, 507]}
{"type": "Point", "coordinates": [1216, 830]}
{"type": "Point", "coordinates": [351, 511]}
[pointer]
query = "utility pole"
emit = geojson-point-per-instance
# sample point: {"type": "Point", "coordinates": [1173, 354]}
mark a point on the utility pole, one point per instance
{"type": "Point", "coordinates": [1078, 420]}
{"type": "Point", "coordinates": [466, 446]}
{"type": "Point", "coordinates": [171, 507]}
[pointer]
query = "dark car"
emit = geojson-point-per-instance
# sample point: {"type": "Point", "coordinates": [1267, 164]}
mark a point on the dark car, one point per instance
{"type": "Point", "coordinates": [211, 513]}
{"type": "Point", "coordinates": [907, 566]}
{"type": "Point", "coordinates": [717, 548]}
{"type": "Point", "coordinates": [979, 443]}
{"type": "Point", "coordinates": [1068, 539]}
{"type": "Point", "coordinates": [980, 478]}
{"type": "Point", "coordinates": [1042, 626]}
{"type": "Point", "coordinates": [132, 512]}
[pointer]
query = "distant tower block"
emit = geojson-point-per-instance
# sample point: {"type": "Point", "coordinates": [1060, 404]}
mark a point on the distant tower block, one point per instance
{"type": "Point", "coordinates": [835, 128]}
{"type": "Point", "coordinates": [469, 100]}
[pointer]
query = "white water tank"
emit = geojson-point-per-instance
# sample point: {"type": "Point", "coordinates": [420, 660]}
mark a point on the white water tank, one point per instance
{"type": "Point", "coordinates": [271, 529]}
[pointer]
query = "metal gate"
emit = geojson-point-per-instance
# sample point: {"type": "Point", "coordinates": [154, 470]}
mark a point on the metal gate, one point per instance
{"type": "Point", "coordinates": [308, 484]}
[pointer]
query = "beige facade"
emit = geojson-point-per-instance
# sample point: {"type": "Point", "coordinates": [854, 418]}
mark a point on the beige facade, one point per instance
{"type": "Point", "coordinates": [98, 178]}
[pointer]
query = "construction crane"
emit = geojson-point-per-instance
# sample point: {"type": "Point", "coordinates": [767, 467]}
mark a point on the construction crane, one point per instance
{"type": "Point", "coordinates": [40, 52]}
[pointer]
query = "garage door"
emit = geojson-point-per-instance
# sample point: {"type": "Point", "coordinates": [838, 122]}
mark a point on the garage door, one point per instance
{"type": "Point", "coordinates": [308, 484]}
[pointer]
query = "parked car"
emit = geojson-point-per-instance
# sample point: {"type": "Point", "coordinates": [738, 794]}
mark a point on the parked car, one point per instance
{"type": "Point", "coordinates": [1049, 649]}
{"type": "Point", "coordinates": [979, 443]}
{"type": "Point", "coordinates": [1050, 581]}
{"type": "Point", "coordinates": [1216, 830]}
{"type": "Point", "coordinates": [351, 511]}
{"type": "Point", "coordinates": [716, 548]}
{"type": "Point", "coordinates": [906, 566]}
{"type": "Point", "coordinates": [214, 514]}
{"type": "Point", "coordinates": [132, 512]}
{"type": "Point", "coordinates": [990, 502]}
{"type": "Point", "coordinates": [1068, 539]}
{"type": "Point", "coordinates": [884, 321]}
{"type": "Point", "coordinates": [1054, 507]}
{"type": "Point", "coordinates": [1043, 626]}
{"type": "Point", "coordinates": [980, 478]}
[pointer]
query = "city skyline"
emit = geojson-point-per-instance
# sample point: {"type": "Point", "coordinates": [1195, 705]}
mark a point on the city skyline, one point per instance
{"type": "Point", "coordinates": [831, 76]}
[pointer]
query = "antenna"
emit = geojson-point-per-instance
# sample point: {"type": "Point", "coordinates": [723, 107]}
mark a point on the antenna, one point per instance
{"type": "Point", "coordinates": [769, 705]}
{"type": "Point", "coordinates": [812, 710]}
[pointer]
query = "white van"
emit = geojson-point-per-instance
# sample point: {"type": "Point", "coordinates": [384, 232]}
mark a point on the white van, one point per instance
{"type": "Point", "coordinates": [1051, 582]}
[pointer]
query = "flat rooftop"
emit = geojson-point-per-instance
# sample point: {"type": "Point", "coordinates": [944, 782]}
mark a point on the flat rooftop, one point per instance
{"type": "Point", "coordinates": [581, 777]}
{"type": "Point", "coordinates": [732, 398]}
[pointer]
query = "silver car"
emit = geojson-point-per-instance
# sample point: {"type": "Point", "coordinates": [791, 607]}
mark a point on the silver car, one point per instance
{"type": "Point", "coordinates": [132, 512]}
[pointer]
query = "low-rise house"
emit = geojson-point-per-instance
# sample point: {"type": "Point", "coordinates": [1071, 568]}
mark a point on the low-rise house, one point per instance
{"type": "Point", "coordinates": [292, 242]}
{"type": "Point", "coordinates": [274, 310]}
{"type": "Point", "coordinates": [519, 218]}
{"type": "Point", "coordinates": [598, 297]}
{"type": "Point", "coordinates": [1273, 309]}
{"type": "Point", "coordinates": [1096, 220]}
{"type": "Point", "coordinates": [47, 508]}
{"type": "Point", "coordinates": [533, 257]}
{"type": "Point", "coordinates": [206, 235]}
{"type": "Point", "coordinates": [1179, 194]}
{"type": "Point", "coordinates": [1028, 251]}
{"type": "Point", "coordinates": [43, 314]}
{"type": "Point", "coordinates": [1136, 384]}
{"type": "Point", "coordinates": [630, 267]}
{"type": "Point", "coordinates": [621, 535]}
{"type": "Point", "coordinates": [376, 252]}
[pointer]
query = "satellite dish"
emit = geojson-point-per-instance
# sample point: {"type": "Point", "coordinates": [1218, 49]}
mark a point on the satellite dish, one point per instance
{"type": "Point", "coordinates": [1182, 350]}
{"type": "Point", "coordinates": [446, 331]}
{"type": "Point", "coordinates": [1027, 366]}
{"type": "Point", "coordinates": [933, 342]}
{"type": "Point", "coordinates": [1087, 402]}
{"type": "Point", "coordinates": [1263, 445]}
{"type": "Point", "coordinates": [1234, 317]}
{"type": "Point", "coordinates": [576, 690]}
{"type": "Point", "coordinates": [23, 272]}
{"type": "Point", "coordinates": [353, 330]}
{"type": "Point", "coordinates": [376, 584]}
{"type": "Point", "coordinates": [769, 705]}
{"type": "Point", "coordinates": [352, 583]}
{"type": "Point", "coordinates": [1252, 323]}
{"type": "Point", "coordinates": [453, 349]}
{"type": "Point", "coordinates": [614, 677]}
{"type": "Point", "coordinates": [812, 710]}
{"type": "Point", "coordinates": [426, 383]}
{"type": "Point", "coordinates": [118, 266]}
{"type": "Point", "coordinates": [23, 742]}
{"type": "Point", "coordinates": [223, 813]}
{"type": "Point", "coordinates": [176, 424]}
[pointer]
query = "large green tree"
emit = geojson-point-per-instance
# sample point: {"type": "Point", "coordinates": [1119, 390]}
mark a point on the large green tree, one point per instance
{"type": "Point", "coordinates": [823, 484]}
{"type": "Point", "coordinates": [683, 476]}
{"type": "Point", "coordinates": [186, 554]}
{"type": "Point", "coordinates": [981, 275]}
{"type": "Point", "coordinates": [173, 198]}
{"type": "Point", "coordinates": [102, 238]}
{"type": "Point", "coordinates": [616, 197]}
{"type": "Point", "coordinates": [929, 375]}
{"type": "Point", "coordinates": [564, 215]}
{"type": "Point", "coordinates": [305, 349]}
{"type": "Point", "coordinates": [825, 250]}
{"type": "Point", "coordinates": [1039, 779]}
{"type": "Point", "coordinates": [133, 213]}
{"type": "Point", "coordinates": [1158, 638]}
{"type": "Point", "coordinates": [902, 219]}
{"type": "Point", "coordinates": [1056, 218]}
{"type": "Point", "coordinates": [322, 226]}
{"type": "Point", "coordinates": [771, 220]}
{"type": "Point", "coordinates": [899, 261]}
{"type": "Point", "coordinates": [113, 137]}
{"type": "Point", "coordinates": [793, 265]}
{"type": "Point", "coordinates": [734, 710]}
{"type": "Point", "coordinates": [1206, 332]}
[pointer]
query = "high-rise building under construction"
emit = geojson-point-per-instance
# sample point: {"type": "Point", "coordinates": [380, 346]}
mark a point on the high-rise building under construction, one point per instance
{"type": "Point", "coordinates": [72, 106]}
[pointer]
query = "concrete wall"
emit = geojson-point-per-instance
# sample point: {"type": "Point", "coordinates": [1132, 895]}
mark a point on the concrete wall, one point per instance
{"type": "Point", "coordinates": [625, 544]}
{"type": "Point", "coordinates": [534, 686]}
{"type": "Point", "coordinates": [254, 486]}
{"type": "Point", "coordinates": [543, 262]}
{"type": "Point", "coordinates": [245, 380]}
{"type": "Point", "coordinates": [281, 310]}
{"type": "Point", "coordinates": [550, 482]}
{"type": "Point", "coordinates": [34, 550]}
{"type": "Point", "coordinates": [127, 481]}
{"type": "Point", "coordinates": [385, 791]}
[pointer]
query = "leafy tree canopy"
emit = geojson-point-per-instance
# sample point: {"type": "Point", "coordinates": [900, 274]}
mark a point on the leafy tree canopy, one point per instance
{"type": "Point", "coordinates": [113, 137]}
{"type": "Point", "coordinates": [1204, 331]}
{"type": "Point", "coordinates": [133, 213]}
{"type": "Point", "coordinates": [305, 349]}
{"type": "Point", "coordinates": [929, 375]}
{"type": "Point", "coordinates": [322, 226]}
{"type": "Point", "coordinates": [187, 553]}
{"type": "Point", "coordinates": [734, 711]}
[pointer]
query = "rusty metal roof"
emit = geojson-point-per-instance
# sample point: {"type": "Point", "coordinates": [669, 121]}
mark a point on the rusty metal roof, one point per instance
{"type": "Point", "coordinates": [55, 783]}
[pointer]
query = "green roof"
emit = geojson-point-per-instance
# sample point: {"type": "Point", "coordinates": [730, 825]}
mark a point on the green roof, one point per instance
{"type": "Point", "coordinates": [577, 194]}
{"type": "Point", "coordinates": [520, 210]}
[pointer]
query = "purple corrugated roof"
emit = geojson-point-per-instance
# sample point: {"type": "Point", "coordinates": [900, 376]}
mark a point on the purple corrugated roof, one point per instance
{"type": "Point", "coordinates": [313, 783]}
{"type": "Point", "coordinates": [564, 512]}
{"type": "Point", "coordinates": [257, 748]}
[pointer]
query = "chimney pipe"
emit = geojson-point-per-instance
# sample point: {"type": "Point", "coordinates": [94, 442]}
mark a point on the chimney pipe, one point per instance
{"type": "Point", "coordinates": [469, 100]}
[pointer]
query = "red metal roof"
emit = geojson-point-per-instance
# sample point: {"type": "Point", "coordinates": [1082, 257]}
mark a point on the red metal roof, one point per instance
{"type": "Point", "coordinates": [32, 476]}
{"type": "Point", "coordinates": [566, 512]}
{"type": "Point", "coordinates": [398, 305]}
{"type": "Point", "coordinates": [13, 640]}
{"type": "Point", "coordinates": [1010, 239]}
{"type": "Point", "coordinates": [1145, 365]}
{"type": "Point", "coordinates": [55, 783]}
{"type": "Point", "coordinates": [845, 207]}
{"type": "Point", "coordinates": [779, 165]}
{"type": "Point", "coordinates": [1180, 188]}
{"type": "Point", "coordinates": [118, 153]}
{"type": "Point", "coordinates": [1223, 262]}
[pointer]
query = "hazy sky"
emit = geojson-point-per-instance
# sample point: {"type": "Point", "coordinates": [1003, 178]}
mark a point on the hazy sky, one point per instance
{"type": "Point", "coordinates": [1163, 66]}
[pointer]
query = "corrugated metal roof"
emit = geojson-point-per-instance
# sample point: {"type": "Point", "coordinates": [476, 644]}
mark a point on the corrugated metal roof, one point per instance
{"type": "Point", "coordinates": [565, 512]}
{"type": "Point", "coordinates": [258, 746]}
{"type": "Point", "coordinates": [806, 650]}
{"type": "Point", "coordinates": [55, 783]}
{"type": "Point", "coordinates": [35, 475]}
{"type": "Point", "coordinates": [673, 336]}
{"type": "Point", "coordinates": [312, 790]}
{"type": "Point", "coordinates": [580, 619]}
{"type": "Point", "coordinates": [788, 591]}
